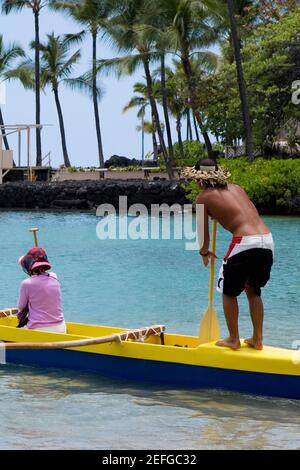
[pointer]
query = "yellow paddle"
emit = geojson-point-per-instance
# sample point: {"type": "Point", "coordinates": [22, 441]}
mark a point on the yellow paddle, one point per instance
{"type": "Point", "coordinates": [209, 327]}
{"type": "Point", "coordinates": [35, 231]}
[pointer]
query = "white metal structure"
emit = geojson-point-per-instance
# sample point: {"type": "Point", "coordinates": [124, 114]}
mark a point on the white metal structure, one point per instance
{"type": "Point", "coordinates": [6, 156]}
{"type": "Point", "coordinates": [6, 161]}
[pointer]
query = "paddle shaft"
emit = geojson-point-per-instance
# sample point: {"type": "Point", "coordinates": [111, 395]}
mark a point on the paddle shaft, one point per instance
{"type": "Point", "coordinates": [209, 327]}
{"type": "Point", "coordinates": [212, 264]}
{"type": "Point", "coordinates": [35, 231]}
{"type": "Point", "coordinates": [124, 336]}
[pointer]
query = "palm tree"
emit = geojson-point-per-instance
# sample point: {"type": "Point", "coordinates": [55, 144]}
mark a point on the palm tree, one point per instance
{"type": "Point", "coordinates": [241, 79]}
{"type": "Point", "coordinates": [7, 55]}
{"type": "Point", "coordinates": [165, 105]}
{"type": "Point", "coordinates": [154, 35]}
{"type": "Point", "coordinates": [141, 101]}
{"type": "Point", "coordinates": [125, 31]}
{"type": "Point", "coordinates": [189, 132]}
{"type": "Point", "coordinates": [176, 99]}
{"type": "Point", "coordinates": [246, 13]}
{"type": "Point", "coordinates": [155, 26]}
{"type": "Point", "coordinates": [150, 27]}
{"type": "Point", "coordinates": [56, 67]}
{"type": "Point", "coordinates": [142, 129]}
{"type": "Point", "coordinates": [92, 14]}
{"type": "Point", "coordinates": [149, 128]}
{"type": "Point", "coordinates": [190, 29]}
{"type": "Point", "coordinates": [36, 6]}
{"type": "Point", "coordinates": [196, 128]}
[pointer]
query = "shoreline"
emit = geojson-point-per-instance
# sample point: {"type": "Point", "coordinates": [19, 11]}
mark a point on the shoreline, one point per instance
{"type": "Point", "coordinates": [86, 196]}
{"type": "Point", "coordinates": [93, 212]}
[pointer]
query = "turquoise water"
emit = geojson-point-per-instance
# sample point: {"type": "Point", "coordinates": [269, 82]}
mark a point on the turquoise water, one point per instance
{"type": "Point", "coordinates": [133, 283]}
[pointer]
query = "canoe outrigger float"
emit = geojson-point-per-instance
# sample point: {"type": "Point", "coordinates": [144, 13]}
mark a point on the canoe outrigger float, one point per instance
{"type": "Point", "coordinates": [151, 355]}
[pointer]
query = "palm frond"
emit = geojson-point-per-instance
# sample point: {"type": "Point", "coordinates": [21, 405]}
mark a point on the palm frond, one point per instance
{"type": "Point", "coordinates": [126, 65]}
{"type": "Point", "coordinates": [66, 68]}
{"type": "Point", "coordinates": [207, 61]}
{"type": "Point", "coordinates": [9, 6]}
{"type": "Point", "coordinates": [135, 102]}
{"type": "Point", "coordinates": [8, 54]}
{"type": "Point", "coordinates": [72, 39]}
{"type": "Point", "coordinates": [84, 85]}
{"type": "Point", "coordinates": [93, 14]}
{"type": "Point", "coordinates": [24, 73]}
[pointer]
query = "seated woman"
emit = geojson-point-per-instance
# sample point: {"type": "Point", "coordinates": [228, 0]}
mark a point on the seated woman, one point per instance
{"type": "Point", "coordinates": [40, 295]}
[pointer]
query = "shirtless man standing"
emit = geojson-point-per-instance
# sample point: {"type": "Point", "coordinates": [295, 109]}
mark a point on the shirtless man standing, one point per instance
{"type": "Point", "coordinates": [247, 264]}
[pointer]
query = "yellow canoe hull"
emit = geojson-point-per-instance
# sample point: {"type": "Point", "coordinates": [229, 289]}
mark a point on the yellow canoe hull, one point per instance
{"type": "Point", "coordinates": [180, 361]}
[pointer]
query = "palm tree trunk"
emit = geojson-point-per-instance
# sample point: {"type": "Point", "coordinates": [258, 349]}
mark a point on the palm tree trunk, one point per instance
{"type": "Point", "coordinates": [143, 140]}
{"type": "Point", "coordinates": [165, 108]}
{"type": "Point", "coordinates": [95, 101]}
{"type": "Point", "coordinates": [196, 128]}
{"type": "Point", "coordinates": [37, 89]}
{"type": "Point", "coordinates": [3, 131]}
{"type": "Point", "coordinates": [193, 102]}
{"type": "Point", "coordinates": [241, 80]}
{"type": "Point", "coordinates": [156, 117]}
{"type": "Point", "coordinates": [180, 143]}
{"type": "Point", "coordinates": [155, 147]}
{"type": "Point", "coordinates": [62, 129]}
{"type": "Point", "coordinates": [189, 125]}
{"type": "Point", "coordinates": [154, 141]}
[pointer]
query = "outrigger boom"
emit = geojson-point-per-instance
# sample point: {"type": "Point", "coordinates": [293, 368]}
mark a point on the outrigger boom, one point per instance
{"type": "Point", "coordinates": [140, 334]}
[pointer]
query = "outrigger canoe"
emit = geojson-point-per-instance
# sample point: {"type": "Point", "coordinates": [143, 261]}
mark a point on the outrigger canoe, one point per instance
{"type": "Point", "coordinates": [161, 358]}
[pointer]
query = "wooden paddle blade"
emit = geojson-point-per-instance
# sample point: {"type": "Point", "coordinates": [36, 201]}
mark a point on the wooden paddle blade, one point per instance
{"type": "Point", "coordinates": [209, 328]}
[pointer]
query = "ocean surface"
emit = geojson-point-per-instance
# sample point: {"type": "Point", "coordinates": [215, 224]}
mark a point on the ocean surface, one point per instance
{"type": "Point", "coordinates": [134, 283]}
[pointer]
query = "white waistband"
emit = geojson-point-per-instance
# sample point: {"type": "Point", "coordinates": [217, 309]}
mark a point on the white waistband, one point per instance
{"type": "Point", "coordinates": [267, 238]}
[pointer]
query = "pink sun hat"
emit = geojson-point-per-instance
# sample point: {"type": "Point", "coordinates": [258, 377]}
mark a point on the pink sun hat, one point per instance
{"type": "Point", "coordinates": [35, 258]}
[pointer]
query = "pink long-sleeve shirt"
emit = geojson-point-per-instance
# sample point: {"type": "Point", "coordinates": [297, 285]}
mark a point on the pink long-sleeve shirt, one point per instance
{"type": "Point", "coordinates": [42, 294]}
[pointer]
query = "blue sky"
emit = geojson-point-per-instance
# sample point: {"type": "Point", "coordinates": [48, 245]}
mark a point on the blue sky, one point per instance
{"type": "Point", "coordinates": [118, 129]}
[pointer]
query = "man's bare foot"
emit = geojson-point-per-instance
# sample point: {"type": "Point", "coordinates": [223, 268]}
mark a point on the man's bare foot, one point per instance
{"type": "Point", "coordinates": [254, 343]}
{"type": "Point", "coordinates": [229, 343]}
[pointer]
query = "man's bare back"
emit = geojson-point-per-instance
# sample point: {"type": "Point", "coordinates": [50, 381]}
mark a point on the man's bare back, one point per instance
{"type": "Point", "coordinates": [232, 208]}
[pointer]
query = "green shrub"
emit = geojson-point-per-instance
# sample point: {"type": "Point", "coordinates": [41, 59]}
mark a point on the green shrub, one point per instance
{"type": "Point", "coordinates": [267, 182]}
{"type": "Point", "coordinates": [72, 169]}
{"type": "Point", "coordinates": [125, 168]}
{"type": "Point", "coordinates": [159, 169]}
{"type": "Point", "coordinates": [193, 151]}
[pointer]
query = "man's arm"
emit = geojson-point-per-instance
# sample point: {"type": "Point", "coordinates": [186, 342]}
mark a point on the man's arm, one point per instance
{"type": "Point", "coordinates": [204, 250]}
{"type": "Point", "coordinates": [203, 226]}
